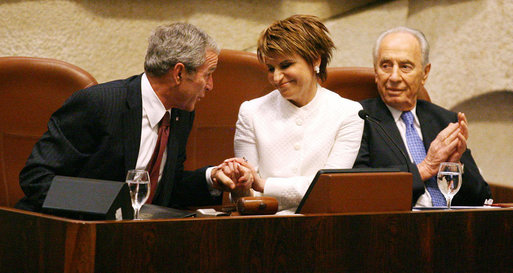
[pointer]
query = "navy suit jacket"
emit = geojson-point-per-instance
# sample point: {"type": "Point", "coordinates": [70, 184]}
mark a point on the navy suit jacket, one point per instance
{"type": "Point", "coordinates": [377, 152]}
{"type": "Point", "coordinates": [96, 134]}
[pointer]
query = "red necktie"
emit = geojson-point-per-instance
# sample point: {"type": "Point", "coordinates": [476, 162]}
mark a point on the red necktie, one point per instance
{"type": "Point", "coordinates": [154, 165]}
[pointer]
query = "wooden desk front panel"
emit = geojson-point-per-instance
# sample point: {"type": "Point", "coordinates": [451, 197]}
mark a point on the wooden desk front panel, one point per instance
{"type": "Point", "coordinates": [30, 242]}
{"type": "Point", "coordinates": [457, 241]}
{"type": "Point", "coordinates": [445, 241]}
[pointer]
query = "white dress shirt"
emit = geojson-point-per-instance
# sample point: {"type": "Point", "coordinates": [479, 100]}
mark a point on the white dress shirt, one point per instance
{"type": "Point", "coordinates": [425, 199]}
{"type": "Point", "coordinates": [152, 112]}
{"type": "Point", "coordinates": [289, 144]}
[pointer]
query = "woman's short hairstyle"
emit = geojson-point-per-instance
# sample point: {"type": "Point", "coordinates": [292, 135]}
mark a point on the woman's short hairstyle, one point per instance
{"type": "Point", "coordinates": [177, 43]}
{"type": "Point", "coordinates": [424, 45]}
{"type": "Point", "coordinates": [304, 35]}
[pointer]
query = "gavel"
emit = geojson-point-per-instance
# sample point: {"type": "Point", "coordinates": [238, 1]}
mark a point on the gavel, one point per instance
{"type": "Point", "coordinates": [257, 205]}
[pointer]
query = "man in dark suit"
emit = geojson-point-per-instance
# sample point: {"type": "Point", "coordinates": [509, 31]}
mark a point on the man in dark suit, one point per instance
{"type": "Point", "coordinates": [401, 65]}
{"type": "Point", "coordinates": [103, 131]}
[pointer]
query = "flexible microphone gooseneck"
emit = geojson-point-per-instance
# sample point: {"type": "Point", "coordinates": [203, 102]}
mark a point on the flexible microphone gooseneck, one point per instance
{"type": "Point", "coordinates": [388, 139]}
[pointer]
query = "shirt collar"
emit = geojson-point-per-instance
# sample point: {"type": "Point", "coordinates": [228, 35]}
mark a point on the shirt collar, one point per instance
{"type": "Point", "coordinates": [308, 107]}
{"type": "Point", "coordinates": [396, 114]}
{"type": "Point", "coordinates": [152, 105]}
{"type": "Point", "coordinates": [314, 102]}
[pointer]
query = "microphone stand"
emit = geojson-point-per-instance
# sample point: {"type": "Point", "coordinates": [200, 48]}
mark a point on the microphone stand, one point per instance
{"type": "Point", "coordinates": [388, 139]}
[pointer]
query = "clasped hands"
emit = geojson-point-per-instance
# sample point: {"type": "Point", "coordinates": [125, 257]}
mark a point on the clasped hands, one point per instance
{"type": "Point", "coordinates": [237, 176]}
{"type": "Point", "coordinates": [448, 146]}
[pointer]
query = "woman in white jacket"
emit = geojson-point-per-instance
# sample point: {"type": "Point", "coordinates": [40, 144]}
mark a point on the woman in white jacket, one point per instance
{"type": "Point", "coordinates": [289, 134]}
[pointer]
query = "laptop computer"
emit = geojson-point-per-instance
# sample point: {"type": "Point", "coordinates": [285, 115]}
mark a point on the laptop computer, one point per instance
{"type": "Point", "coordinates": [358, 190]}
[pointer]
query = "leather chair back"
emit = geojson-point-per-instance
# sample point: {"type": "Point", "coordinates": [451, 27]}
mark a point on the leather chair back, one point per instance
{"type": "Point", "coordinates": [240, 77]}
{"type": "Point", "coordinates": [31, 89]}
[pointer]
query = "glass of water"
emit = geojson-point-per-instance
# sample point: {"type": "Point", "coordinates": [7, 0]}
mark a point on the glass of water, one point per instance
{"type": "Point", "coordinates": [449, 180]}
{"type": "Point", "coordinates": [139, 184]}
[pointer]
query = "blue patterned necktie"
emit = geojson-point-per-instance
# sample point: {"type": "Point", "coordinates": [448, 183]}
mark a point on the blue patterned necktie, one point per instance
{"type": "Point", "coordinates": [418, 153]}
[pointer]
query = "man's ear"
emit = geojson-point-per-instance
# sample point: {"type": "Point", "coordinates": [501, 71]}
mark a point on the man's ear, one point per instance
{"type": "Point", "coordinates": [426, 73]}
{"type": "Point", "coordinates": [177, 73]}
{"type": "Point", "coordinates": [375, 75]}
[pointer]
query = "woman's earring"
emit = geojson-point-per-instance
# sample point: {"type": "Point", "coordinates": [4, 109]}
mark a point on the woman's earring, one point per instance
{"type": "Point", "coordinates": [317, 70]}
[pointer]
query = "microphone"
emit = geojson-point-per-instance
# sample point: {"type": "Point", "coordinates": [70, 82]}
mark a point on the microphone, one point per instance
{"type": "Point", "coordinates": [363, 114]}
{"type": "Point", "coordinates": [388, 139]}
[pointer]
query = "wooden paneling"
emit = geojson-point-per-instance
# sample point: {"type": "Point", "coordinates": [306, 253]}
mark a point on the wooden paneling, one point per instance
{"type": "Point", "coordinates": [437, 241]}
{"type": "Point", "coordinates": [454, 241]}
{"type": "Point", "coordinates": [31, 242]}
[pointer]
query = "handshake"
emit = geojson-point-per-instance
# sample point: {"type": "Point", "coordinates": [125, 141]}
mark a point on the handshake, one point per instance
{"type": "Point", "coordinates": [237, 176]}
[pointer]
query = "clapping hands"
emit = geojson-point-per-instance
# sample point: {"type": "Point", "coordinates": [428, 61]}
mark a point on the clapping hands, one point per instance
{"type": "Point", "coordinates": [462, 139]}
{"type": "Point", "coordinates": [448, 146]}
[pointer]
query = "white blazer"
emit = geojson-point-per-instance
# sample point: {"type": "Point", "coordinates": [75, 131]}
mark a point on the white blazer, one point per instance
{"type": "Point", "coordinates": [289, 144]}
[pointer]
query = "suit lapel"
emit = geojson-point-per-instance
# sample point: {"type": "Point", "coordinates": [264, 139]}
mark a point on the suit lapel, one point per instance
{"type": "Point", "coordinates": [132, 119]}
{"type": "Point", "coordinates": [172, 144]}
{"type": "Point", "coordinates": [428, 129]}
{"type": "Point", "coordinates": [388, 122]}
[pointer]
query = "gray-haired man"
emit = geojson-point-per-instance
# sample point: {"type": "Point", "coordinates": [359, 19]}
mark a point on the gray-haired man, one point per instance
{"type": "Point", "coordinates": [103, 131]}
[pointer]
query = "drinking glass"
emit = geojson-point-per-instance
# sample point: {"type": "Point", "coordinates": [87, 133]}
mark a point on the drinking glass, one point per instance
{"type": "Point", "coordinates": [139, 184]}
{"type": "Point", "coordinates": [449, 180]}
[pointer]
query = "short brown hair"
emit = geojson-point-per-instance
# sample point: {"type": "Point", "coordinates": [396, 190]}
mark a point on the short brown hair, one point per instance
{"type": "Point", "coordinates": [304, 35]}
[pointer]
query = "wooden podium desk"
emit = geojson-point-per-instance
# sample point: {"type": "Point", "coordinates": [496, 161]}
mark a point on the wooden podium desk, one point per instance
{"type": "Point", "coordinates": [436, 241]}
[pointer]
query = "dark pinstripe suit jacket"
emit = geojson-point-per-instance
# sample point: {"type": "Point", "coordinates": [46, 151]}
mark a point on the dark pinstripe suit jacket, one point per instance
{"type": "Point", "coordinates": [376, 152]}
{"type": "Point", "coordinates": [96, 134]}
